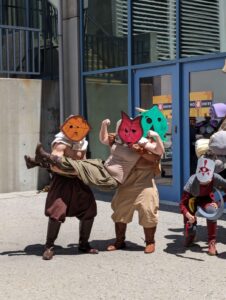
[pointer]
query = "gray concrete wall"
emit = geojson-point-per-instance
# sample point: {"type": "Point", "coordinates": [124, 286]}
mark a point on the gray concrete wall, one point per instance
{"type": "Point", "coordinates": [30, 113]}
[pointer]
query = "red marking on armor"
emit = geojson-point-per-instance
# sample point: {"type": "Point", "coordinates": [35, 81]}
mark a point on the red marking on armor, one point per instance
{"type": "Point", "coordinates": [204, 169]}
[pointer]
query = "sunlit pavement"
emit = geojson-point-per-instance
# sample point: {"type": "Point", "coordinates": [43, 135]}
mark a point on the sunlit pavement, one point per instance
{"type": "Point", "coordinates": [172, 272]}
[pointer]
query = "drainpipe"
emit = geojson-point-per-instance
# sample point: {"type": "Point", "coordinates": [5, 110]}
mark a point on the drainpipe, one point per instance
{"type": "Point", "coordinates": [61, 60]}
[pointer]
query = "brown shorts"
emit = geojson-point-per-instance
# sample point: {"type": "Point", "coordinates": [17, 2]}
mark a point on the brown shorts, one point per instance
{"type": "Point", "coordinates": [69, 197]}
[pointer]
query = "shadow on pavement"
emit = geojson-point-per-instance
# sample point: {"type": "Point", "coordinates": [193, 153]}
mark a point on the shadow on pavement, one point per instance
{"type": "Point", "coordinates": [176, 247]}
{"type": "Point", "coordinates": [71, 249]}
{"type": "Point", "coordinates": [103, 244]}
{"type": "Point", "coordinates": [37, 249]}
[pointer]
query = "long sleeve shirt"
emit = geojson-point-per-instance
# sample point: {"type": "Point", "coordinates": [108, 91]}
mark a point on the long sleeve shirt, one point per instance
{"type": "Point", "coordinates": [194, 188]}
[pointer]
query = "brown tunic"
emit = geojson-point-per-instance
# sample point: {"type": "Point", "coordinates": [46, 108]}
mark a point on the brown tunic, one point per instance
{"type": "Point", "coordinates": [69, 197]}
{"type": "Point", "coordinates": [137, 193]}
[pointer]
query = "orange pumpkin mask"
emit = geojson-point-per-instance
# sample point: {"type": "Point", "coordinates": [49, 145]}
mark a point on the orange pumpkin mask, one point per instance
{"type": "Point", "coordinates": [75, 128]}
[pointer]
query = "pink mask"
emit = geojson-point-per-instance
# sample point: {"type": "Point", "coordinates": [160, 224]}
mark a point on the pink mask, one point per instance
{"type": "Point", "coordinates": [130, 130]}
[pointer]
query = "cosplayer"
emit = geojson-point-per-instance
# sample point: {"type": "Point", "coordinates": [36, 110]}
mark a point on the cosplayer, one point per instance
{"type": "Point", "coordinates": [214, 144]}
{"type": "Point", "coordinates": [132, 165]}
{"type": "Point", "coordinates": [199, 192]}
{"type": "Point", "coordinates": [125, 152]}
{"type": "Point", "coordinates": [68, 196]}
{"type": "Point", "coordinates": [139, 192]}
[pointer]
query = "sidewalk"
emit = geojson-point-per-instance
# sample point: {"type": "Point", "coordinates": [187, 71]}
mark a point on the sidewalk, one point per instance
{"type": "Point", "coordinates": [169, 273]}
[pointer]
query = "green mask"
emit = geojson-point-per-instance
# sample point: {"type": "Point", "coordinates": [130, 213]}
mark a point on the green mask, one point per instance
{"type": "Point", "coordinates": [153, 119]}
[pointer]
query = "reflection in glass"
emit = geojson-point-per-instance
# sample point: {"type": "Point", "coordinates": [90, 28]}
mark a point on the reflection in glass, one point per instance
{"type": "Point", "coordinates": [203, 27]}
{"type": "Point", "coordinates": [105, 34]}
{"type": "Point", "coordinates": [206, 88]}
{"type": "Point", "coordinates": [106, 97]}
{"type": "Point", "coordinates": [154, 30]}
{"type": "Point", "coordinates": [157, 90]}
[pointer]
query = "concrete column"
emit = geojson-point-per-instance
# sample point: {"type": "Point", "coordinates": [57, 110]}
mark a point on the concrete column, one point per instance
{"type": "Point", "coordinates": [71, 56]}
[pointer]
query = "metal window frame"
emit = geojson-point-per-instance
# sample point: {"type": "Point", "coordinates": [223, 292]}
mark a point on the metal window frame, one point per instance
{"type": "Point", "coordinates": [131, 69]}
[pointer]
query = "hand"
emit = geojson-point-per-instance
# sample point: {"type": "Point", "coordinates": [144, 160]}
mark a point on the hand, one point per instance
{"type": "Point", "coordinates": [139, 149]}
{"type": "Point", "coordinates": [191, 218]}
{"type": "Point", "coordinates": [143, 141]}
{"type": "Point", "coordinates": [106, 122]}
{"type": "Point", "coordinates": [152, 133]}
{"type": "Point", "coordinates": [111, 138]}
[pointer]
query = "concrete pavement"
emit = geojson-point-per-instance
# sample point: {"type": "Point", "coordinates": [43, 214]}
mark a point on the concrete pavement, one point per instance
{"type": "Point", "coordinates": [169, 273]}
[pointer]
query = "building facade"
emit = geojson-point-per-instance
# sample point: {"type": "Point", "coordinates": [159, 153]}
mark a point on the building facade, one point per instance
{"type": "Point", "coordinates": [169, 53]}
{"type": "Point", "coordinates": [111, 55]}
{"type": "Point", "coordinates": [28, 88]}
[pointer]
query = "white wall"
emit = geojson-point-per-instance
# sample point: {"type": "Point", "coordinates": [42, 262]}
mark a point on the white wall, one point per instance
{"type": "Point", "coordinates": [23, 107]}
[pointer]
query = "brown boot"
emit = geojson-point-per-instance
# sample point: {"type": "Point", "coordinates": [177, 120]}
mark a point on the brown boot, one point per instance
{"type": "Point", "coordinates": [212, 247]}
{"type": "Point", "coordinates": [189, 234]}
{"type": "Point", "coordinates": [52, 233]}
{"type": "Point", "coordinates": [42, 156]}
{"type": "Point", "coordinates": [189, 241]}
{"type": "Point", "coordinates": [149, 239]}
{"type": "Point", "coordinates": [120, 231]}
{"type": "Point", "coordinates": [85, 227]}
{"type": "Point", "coordinates": [212, 229]}
{"type": "Point", "coordinates": [30, 162]}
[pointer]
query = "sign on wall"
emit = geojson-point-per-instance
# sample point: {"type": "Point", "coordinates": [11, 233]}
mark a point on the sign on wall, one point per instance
{"type": "Point", "coordinates": [200, 103]}
{"type": "Point", "coordinates": [164, 103]}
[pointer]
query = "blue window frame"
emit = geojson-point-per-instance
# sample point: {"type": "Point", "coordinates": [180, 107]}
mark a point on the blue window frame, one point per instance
{"type": "Point", "coordinates": [180, 66]}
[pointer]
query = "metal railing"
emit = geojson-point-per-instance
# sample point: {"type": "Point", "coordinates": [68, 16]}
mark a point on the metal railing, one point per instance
{"type": "Point", "coordinates": [103, 52]}
{"type": "Point", "coordinates": [106, 52]}
{"type": "Point", "coordinates": [19, 50]}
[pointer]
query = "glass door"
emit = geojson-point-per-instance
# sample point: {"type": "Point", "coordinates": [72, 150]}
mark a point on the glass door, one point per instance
{"type": "Point", "coordinates": [204, 85]}
{"type": "Point", "coordinates": [156, 86]}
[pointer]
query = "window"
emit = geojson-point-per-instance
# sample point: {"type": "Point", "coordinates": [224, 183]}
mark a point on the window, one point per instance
{"type": "Point", "coordinates": [105, 43]}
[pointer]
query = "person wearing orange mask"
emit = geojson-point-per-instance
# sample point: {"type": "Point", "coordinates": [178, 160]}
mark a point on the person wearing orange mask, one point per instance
{"type": "Point", "coordinates": [68, 196]}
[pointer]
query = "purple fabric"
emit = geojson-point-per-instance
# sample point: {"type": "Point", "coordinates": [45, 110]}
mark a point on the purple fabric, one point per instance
{"type": "Point", "coordinates": [217, 110]}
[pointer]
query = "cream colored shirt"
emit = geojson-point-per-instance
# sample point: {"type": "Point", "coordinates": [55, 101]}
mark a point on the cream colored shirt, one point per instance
{"type": "Point", "coordinates": [79, 146]}
{"type": "Point", "coordinates": [121, 161]}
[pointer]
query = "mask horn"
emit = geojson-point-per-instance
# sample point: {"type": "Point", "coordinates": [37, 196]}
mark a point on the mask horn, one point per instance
{"type": "Point", "coordinates": [140, 109]}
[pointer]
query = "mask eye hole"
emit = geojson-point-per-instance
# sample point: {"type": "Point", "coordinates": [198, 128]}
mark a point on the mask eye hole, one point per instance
{"type": "Point", "coordinates": [133, 130]}
{"type": "Point", "coordinates": [126, 130]}
{"type": "Point", "coordinates": [159, 119]}
{"type": "Point", "coordinates": [71, 126]}
{"type": "Point", "coordinates": [149, 120]}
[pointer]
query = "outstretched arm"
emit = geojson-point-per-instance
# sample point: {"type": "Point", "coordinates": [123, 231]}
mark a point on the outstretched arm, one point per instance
{"type": "Point", "coordinates": [103, 134]}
